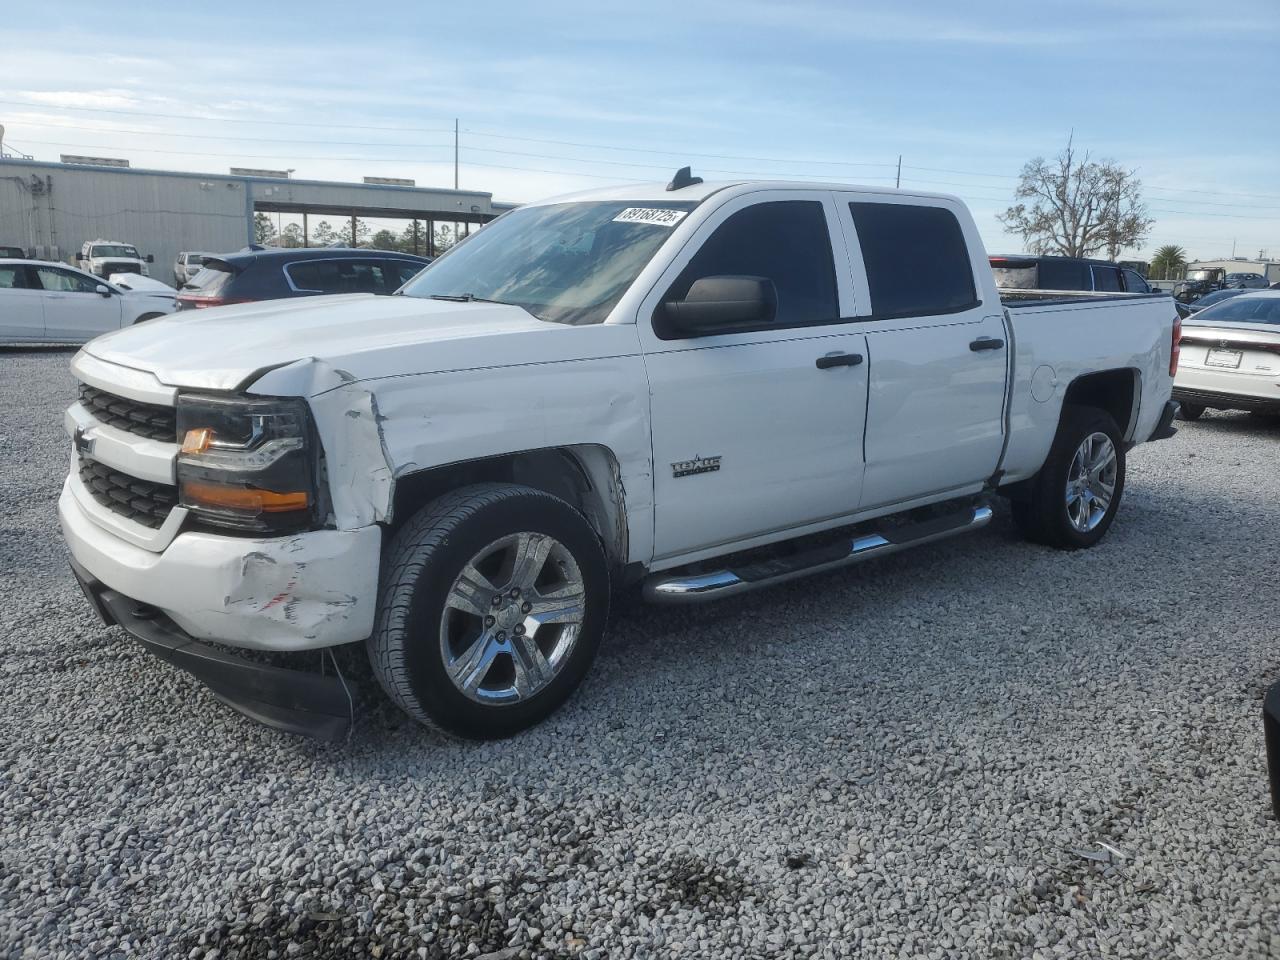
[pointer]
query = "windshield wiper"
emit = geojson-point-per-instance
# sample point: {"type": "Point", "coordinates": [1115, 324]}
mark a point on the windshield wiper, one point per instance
{"type": "Point", "coordinates": [462, 298]}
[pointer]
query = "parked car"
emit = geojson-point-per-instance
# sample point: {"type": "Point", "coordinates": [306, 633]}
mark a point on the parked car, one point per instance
{"type": "Point", "coordinates": [1231, 357]}
{"type": "Point", "coordinates": [54, 303]}
{"type": "Point", "coordinates": [187, 265]}
{"type": "Point", "coordinates": [1246, 281]}
{"type": "Point", "coordinates": [702, 388]}
{"type": "Point", "coordinates": [1022, 272]}
{"type": "Point", "coordinates": [1199, 282]}
{"type": "Point", "coordinates": [262, 274]}
{"type": "Point", "coordinates": [12, 253]}
{"type": "Point", "coordinates": [105, 257]}
{"type": "Point", "coordinates": [1216, 296]}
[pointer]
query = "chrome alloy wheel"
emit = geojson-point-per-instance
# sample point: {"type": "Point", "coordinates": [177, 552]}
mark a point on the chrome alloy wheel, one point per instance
{"type": "Point", "coordinates": [511, 618]}
{"type": "Point", "coordinates": [1091, 481]}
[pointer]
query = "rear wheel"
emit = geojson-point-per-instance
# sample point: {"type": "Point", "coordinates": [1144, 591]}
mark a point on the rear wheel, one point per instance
{"type": "Point", "coordinates": [1072, 501]}
{"type": "Point", "coordinates": [492, 606]}
{"type": "Point", "coordinates": [1190, 411]}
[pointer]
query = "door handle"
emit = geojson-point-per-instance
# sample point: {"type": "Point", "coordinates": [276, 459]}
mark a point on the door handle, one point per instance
{"type": "Point", "coordinates": [986, 343]}
{"type": "Point", "coordinates": [838, 360]}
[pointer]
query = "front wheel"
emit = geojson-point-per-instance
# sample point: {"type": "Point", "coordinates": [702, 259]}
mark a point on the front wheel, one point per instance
{"type": "Point", "coordinates": [492, 605]}
{"type": "Point", "coordinates": [1072, 501]}
{"type": "Point", "coordinates": [1190, 411]}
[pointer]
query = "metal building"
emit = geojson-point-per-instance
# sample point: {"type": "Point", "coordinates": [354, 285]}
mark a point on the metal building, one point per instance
{"type": "Point", "coordinates": [51, 209]}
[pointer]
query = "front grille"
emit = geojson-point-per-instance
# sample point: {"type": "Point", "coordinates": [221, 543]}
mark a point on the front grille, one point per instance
{"type": "Point", "coordinates": [141, 500]}
{"type": "Point", "coordinates": [110, 267]}
{"type": "Point", "coordinates": [142, 419]}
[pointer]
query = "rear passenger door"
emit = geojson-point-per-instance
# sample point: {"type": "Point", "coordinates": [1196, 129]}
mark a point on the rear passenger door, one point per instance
{"type": "Point", "coordinates": [937, 355]}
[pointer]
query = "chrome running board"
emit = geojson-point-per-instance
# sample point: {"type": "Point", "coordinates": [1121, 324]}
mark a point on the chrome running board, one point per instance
{"type": "Point", "coordinates": [674, 587]}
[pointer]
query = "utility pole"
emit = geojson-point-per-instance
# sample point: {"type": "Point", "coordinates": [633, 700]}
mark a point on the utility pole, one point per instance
{"type": "Point", "coordinates": [897, 183]}
{"type": "Point", "coordinates": [455, 153]}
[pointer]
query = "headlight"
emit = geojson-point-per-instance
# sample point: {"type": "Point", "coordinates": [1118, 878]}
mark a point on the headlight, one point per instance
{"type": "Point", "coordinates": [246, 463]}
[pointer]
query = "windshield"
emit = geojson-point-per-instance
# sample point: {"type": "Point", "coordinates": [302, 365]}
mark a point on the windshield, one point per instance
{"type": "Point", "coordinates": [565, 262]}
{"type": "Point", "coordinates": [114, 250]}
{"type": "Point", "coordinates": [1243, 309]}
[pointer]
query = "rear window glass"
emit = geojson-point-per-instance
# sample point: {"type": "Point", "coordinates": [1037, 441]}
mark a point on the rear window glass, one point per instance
{"type": "Point", "coordinates": [211, 280]}
{"type": "Point", "coordinates": [1265, 309]}
{"type": "Point", "coordinates": [916, 259]}
{"type": "Point", "coordinates": [1014, 274]}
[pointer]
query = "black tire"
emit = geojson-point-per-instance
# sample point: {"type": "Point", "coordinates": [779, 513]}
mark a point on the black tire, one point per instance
{"type": "Point", "coordinates": [1190, 411]}
{"type": "Point", "coordinates": [420, 567]}
{"type": "Point", "coordinates": [1042, 515]}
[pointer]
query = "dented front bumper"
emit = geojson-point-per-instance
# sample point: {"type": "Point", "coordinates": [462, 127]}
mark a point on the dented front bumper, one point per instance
{"type": "Point", "coordinates": [299, 592]}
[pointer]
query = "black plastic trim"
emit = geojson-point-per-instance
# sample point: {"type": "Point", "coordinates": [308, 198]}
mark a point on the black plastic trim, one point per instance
{"type": "Point", "coordinates": [296, 701]}
{"type": "Point", "coordinates": [1165, 428]}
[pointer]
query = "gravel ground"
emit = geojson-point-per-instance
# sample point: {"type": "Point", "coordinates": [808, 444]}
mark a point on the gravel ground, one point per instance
{"type": "Point", "coordinates": [898, 760]}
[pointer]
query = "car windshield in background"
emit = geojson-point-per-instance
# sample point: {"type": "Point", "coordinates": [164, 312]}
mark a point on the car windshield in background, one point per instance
{"type": "Point", "coordinates": [115, 250]}
{"type": "Point", "coordinates": [194, 260]}
{"type": "Point", "coordinates": [1217, 296]}
{"type": "Point", "coordinates": [565, 262]}
{"type": "Point", "coordinates": [1243, 309]}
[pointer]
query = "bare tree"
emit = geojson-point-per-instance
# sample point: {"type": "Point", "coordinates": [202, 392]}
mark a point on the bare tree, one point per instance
{"type": "Point", "coordinates": [1075, 206]}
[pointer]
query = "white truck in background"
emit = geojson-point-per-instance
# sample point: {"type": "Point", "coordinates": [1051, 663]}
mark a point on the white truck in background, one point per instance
{"type": "Point", "coordinates": [103, 258]}
{"type": "Point", "coordinates": [699, 388]}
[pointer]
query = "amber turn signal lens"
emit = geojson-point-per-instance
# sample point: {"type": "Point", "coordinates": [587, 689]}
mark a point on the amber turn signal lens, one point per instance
{"type": "Point", "coordinates": [197, 441]}
{"type": "Point", "coordinates": [241, 498]}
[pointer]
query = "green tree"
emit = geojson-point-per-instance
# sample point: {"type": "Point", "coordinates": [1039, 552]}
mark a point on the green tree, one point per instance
{"type": "Point", "coordinates": [291, 236]}
{"type": "Point", "coordinates": [264, 231]}
{"type": "Point", "coordinates": [1076, 207]}
{"type": "Point", "coordinates": [1168, 262]}
{"type": "Point", "coordinates": [324, 235]}
{"type": "Point", "coordinates": [386, 240]}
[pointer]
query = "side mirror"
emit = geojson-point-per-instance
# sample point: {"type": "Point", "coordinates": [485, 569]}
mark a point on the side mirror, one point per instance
{"type": "Point", "coordinates": [102, 290]}
{"type": "Point", "coordinates": [151, 258]}
{"type": "Point", "coordinates": [719, 305]}
{"type": "Point", "coordinates": [79, 258]}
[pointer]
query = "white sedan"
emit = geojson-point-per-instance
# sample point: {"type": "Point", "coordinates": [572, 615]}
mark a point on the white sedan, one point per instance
{"type": "Point", "coordinates": [1230, 356]}
{"type": "Point", "coordinates": [43, 302]}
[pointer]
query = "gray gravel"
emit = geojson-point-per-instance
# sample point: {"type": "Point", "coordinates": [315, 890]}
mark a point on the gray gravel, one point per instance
{"type": "Point", "coordinates": [893, 761]}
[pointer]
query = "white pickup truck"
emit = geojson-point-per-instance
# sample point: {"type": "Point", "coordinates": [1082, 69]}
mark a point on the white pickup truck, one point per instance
{"type": "Point", "coordinates": [698, 388]}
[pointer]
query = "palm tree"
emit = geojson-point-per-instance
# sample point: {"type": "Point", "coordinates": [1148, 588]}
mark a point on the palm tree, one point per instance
{"type": "Point", "coordinates": [1167, 262]}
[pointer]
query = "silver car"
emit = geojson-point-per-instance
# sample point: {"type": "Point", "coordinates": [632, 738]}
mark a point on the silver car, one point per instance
{"type": "Point", "coordinates": [188, 264]}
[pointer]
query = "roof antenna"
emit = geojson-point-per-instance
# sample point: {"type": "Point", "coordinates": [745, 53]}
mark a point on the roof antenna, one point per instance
{"type": "Point", "coordinates": [683, 178]}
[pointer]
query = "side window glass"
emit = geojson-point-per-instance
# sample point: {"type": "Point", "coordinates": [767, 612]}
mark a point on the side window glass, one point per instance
{"type": "Point", "coordinates": [916, 259]}
{"type": "Point", "coordinates": [61, 281]}
{"type": "Point", "coordinates": [1106, 278]}
{"type": "Point", "coordinates": [13, 277]}
{"type": "Point", "coordinates": [785, 241]}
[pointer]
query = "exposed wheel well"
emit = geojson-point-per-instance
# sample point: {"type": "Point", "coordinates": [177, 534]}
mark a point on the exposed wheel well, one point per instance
{"type": "Point", "coordinates": [1115, 391]}
{"type": "Point", "coordinates": [147, 316]}
{"type": "Point", "coordinates": [585, 476]}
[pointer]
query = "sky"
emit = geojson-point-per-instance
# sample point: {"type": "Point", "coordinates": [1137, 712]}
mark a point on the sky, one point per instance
{"type": "Point", "coordinates": [552, 97]}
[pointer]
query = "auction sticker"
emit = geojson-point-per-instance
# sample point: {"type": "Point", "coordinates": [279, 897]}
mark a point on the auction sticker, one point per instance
{"type": "Point", "coordinates": [651, 215]}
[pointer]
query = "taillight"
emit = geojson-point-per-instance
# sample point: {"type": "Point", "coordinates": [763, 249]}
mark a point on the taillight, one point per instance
{"type": "Point", "coordinates": [201, 302]}
{"type": "Point", "coordinates": [1175, 348]}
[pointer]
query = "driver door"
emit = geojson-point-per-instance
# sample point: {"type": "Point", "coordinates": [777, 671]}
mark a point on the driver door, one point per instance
{"type": "Point", "coordinates": [752, 436]}
{"type": "Point", "coordinates": [73, 309]}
